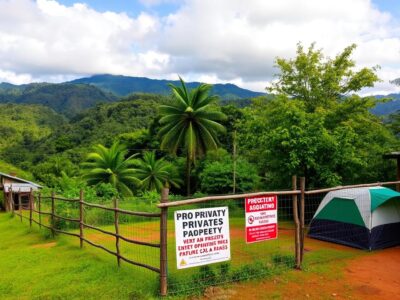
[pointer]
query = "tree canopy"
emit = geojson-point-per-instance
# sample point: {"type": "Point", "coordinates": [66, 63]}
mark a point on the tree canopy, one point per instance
{"type": "Point", "coordinates": [191, 122]}
{"type": "Point", "coordinates": [315, 127]}
{"type": "Point", "coordinates": [318, 81]}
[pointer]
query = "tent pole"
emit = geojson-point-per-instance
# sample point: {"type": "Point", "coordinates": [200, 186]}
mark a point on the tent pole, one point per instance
{"type": "Point", "coordinates": [398, 174]}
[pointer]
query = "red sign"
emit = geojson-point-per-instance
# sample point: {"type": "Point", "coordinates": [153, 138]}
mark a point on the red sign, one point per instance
{"type": "Point", "coordinates": [261, 218]}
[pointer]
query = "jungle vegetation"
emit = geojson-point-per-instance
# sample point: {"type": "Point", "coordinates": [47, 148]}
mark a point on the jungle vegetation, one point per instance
{"type": "Point", "coordinates": [313, 123]}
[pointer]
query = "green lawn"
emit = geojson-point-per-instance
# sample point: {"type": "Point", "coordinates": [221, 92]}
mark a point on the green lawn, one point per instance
{"type": "Point", "coordinates": [33, 266]}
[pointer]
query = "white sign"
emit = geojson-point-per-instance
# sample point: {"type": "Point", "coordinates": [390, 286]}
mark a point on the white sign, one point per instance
{"type": "Point", "coordinates": [202, 236]}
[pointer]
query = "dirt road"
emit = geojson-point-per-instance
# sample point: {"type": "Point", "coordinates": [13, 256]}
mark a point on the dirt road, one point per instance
{"type": "Point", "coordinates": [371, 276]}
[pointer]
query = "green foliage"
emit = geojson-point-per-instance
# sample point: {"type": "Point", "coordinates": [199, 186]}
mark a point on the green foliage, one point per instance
{"type": "Point", "coordinates": [26, 123]}
{"type": "Point", "coordinates": [99, 125]}
{"type": "Point", "coordinates": [111, 165]}
{"type": "Point", "coordinates": [138, 139]}
{"type": "Point", "coordinates": [216, 176]}
{"type": "Point", "coordinates": [393, 122]}
{"type": "Point", "coordinates": [51, 171]}
{"type": "Point", "coordinates": [320, 82]}
{"type": "Point", "coordinates": [191, 122]}
{"type": "Point", "coordinates": [10, 169]}
{"type": "Point", "coordinates": [329, 147]}
{"type": "Point", "coordinates": [313, 129]}
{"type": "Point", "coordinates": [155, 173]}
{"type": "Point", "coordinates": [68, 99]}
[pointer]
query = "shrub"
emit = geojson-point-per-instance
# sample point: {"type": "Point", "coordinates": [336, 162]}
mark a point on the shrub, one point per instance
{"type": "Point", "coordinates": [216, 176]}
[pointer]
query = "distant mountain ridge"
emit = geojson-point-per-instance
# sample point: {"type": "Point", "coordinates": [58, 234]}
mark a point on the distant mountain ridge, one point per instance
{"type": "Point", "coordinates": [65, 98]}
{"type": "Point", "coordinates": [387, 108]}
{"type": "Point", "coordinates": [70, 98]}
{"type": "Point", "coordinates": [124, 85]}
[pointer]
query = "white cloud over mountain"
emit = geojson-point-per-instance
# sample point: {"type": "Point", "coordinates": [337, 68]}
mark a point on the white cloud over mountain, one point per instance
{"type": "Point", "coordinates": [217, 41]}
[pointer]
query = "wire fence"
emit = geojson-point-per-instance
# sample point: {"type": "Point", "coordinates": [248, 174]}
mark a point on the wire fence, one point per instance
{"type": "Point", "coordinates": [247, 260]}
{"type": "Point", "coordinates": [149, 239]}
{"type": "Point", "coordinates": [130, 236]}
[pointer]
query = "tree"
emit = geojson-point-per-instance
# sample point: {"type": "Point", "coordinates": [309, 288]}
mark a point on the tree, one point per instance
{"type": "Point", "coordinates": [155, 173]}
{"type": "Point", "coordinates": [191, 122]}
{"type": "Point", "coordinates": [110, 165]}
{"type": "Point", "coordinates": [314, 127]}
{"type": "Point", "coordinates": [320, 82]}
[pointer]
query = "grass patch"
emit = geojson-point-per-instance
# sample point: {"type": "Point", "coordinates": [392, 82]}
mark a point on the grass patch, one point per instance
{"type": "Point", "coordinates": [33, 266]}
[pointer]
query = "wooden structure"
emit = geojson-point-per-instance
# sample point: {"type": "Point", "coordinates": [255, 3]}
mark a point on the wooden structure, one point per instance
{"type": "Point", "coordinates": [16, 190]}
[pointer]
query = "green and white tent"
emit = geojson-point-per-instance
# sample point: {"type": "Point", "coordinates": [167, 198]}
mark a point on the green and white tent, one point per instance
{"type": "Point", "coordinates": [366, 218]}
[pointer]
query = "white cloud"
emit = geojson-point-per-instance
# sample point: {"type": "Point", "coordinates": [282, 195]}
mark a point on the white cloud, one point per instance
{"type": "Point", "coordinates": [241, 39]}
{"type": "Point", "coordinates": [216, 41]}
{"type": "Point", "coordinates": [46, 38]}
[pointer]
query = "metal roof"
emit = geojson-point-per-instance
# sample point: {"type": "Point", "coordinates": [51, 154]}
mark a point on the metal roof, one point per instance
{"type": "Point", "coordinates": [20, 179]}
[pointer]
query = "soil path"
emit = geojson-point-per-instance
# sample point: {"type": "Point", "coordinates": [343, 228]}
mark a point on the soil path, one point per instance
{"type": "Point", "coordinates": [371, 276]}
{"type": "Point", "coordinates": [376, 276]}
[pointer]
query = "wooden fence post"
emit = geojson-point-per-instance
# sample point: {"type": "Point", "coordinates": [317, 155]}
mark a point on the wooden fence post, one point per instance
{"type": "Point", "coordinates": [296, 223]}
{"type": "Point", "coordinates": [163, 243]}
{"type": "Point", "coordinates": [39, 210]}
{"type": "Point", "coordinates": [81, 218]}
{"type": "Point", "coordinates": [52, 214]}
{"type": "Point", "coordinates": [7, 204]}
{"type": "Point", "coordinates": [116, 218]}
{"type": "Point", "coordinates": [20, 204]}
{"type": "Point", "coordinates": [302, 216]}
{"type": "Point", "coordinates": [11, 200]}
{"type": "Point", "coordinates": [30, 206]}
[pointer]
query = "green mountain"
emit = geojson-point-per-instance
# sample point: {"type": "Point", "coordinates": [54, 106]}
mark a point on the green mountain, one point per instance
{"type": "Point", "coordinates": [74, 97]}
{"type": "Point", "coordinates": [65, 98]}
{"type": "Point", "coordinates": [22, 123]}
{"type": "Point", "coordinates": [389, 107]}
{"type": "Point", "coordinates": [124, 85]}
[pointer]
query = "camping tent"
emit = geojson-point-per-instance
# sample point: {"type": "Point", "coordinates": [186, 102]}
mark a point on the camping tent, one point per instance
{"type": "Point", "coordinates": [366, 218]}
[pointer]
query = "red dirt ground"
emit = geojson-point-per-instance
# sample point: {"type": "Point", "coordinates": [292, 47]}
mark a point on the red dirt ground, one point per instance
{"type": "Point", "coordinates": [371, 276]}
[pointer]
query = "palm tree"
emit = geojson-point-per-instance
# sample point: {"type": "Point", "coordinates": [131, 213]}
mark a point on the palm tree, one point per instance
{"type": "Point", "coordinates": [191, 122]}
{"type": "Point", "coordinates": [156, 173]}
{"type": "Point", "coordinates": [110, 165]}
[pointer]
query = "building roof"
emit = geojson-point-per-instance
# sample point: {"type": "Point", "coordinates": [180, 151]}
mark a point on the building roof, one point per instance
{"type": "Point", "coordinates": [20, 180]}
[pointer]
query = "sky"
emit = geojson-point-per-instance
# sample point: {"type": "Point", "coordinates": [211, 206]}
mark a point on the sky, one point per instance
{"type": "Point", "coordinates": [215, 41]}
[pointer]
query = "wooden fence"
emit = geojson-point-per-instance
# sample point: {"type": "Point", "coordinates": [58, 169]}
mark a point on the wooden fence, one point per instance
{"type": "Point", "coordinates": [35, 206]}
{"type": "Point", "coordinates": [297, 194]}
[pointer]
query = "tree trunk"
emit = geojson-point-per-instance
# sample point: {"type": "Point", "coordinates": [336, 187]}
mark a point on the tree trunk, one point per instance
{"type": "Point", "coordinates": [188, 169]}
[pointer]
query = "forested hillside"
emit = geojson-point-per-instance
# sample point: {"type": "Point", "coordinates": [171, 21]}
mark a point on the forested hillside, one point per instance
{"type": "Point", "coordinates": [66, 143]}
{"type": "Point", "coordinates": [21, 124]}
{"type": "Point", "coordinates": [68, 99]}
{"type": "Point", "coordinates": [390, 106]}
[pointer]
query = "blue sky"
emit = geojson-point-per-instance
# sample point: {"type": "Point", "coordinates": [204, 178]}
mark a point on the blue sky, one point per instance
{"type": "Point", "coordinates": [392, 6]}
{"type": "Point", "coordinates": [134, 7]}
{"type": "Point", "coordinates": [235, 41]}
{"type": "Point", "coordinates": [131, 7]}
